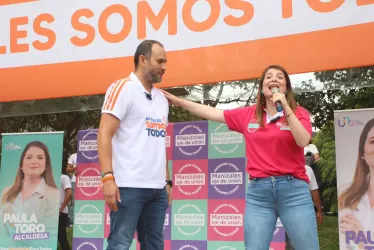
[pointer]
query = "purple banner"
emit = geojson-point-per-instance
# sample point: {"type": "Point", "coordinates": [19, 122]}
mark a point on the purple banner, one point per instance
{"type": "Point", "coordinates": [226, 178]}
{"type": "Point", "coordinates": [167, 224]}
{"type": "Point", "coordinates": [87, 146]}
{"type": "Point", "coordinates": [188, 245]}
{"type": "Point", "coordinates": [279, 235]}
{"type": "Point", "coordinates": [190, 140]}
{"type": "Point", "coordinates": [88, 244]}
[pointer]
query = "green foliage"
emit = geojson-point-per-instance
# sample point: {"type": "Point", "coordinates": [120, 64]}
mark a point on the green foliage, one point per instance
{"type": "Point", "coordinates": [349, 89]}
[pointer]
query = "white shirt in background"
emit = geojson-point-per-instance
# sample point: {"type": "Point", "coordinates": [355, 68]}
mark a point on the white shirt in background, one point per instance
{"type": "Point", "coordinates": [312, 178]}
{"type": "Point", "coordinates": [73, 161]}
{"type": "Point", "coordinates": [65, 184]}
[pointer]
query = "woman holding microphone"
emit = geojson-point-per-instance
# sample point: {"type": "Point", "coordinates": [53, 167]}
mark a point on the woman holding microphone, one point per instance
{"type": "Point", "coordinates": [275, 142]}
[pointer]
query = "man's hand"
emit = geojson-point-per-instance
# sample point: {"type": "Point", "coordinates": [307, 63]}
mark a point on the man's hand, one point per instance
{"type": "Point", "coordinates": [319, 217]}
{"type": "Point", "coordinates": [168, 190]}
{"type": "Point", "coordinates": [111, 194]}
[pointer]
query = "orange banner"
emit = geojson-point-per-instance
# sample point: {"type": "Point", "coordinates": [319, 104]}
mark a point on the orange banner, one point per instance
{"type": "Point", "coordinates": [46, 53]}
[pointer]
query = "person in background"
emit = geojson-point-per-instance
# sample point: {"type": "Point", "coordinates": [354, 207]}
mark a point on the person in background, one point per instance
{"type": "Point", "coordinates": [314, 150]}
{"type": "Point", "coordinates": [65, 196]}
{"type": "Point", "coordinates": [312, 154]}
{"type": "Point", "coordinates": [72, 169]}
{"type": "Point", "coordinates": [275, 140]}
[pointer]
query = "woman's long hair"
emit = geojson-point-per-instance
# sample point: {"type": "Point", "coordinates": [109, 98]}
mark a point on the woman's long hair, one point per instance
{"type": "Point", "coordinates": [351, 197]}
{"type": "Point", "coordinates": [261, 100]}
{"type": "Point", "coordinates": [13, 192]}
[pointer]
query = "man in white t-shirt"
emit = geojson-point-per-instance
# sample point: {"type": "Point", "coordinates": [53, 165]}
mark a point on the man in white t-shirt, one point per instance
{"type": "Point", "coordinates": [132, 152]}
{"type": "Point", "coordinates": [65, 196]}
{"type": "Point", "coordinates": [71, 168]}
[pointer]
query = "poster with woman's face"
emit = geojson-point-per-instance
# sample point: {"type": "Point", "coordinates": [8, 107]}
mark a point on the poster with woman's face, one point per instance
{"type": "Point", "coordinates": [30, 177]}
{"type": "Point", "coordinates": [354, 140]}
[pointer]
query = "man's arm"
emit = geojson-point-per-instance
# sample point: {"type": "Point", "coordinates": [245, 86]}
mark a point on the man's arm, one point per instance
{"type": "Point", "coordinates": [66, 186]}
{"type": "Point", "coordinates": [313, 187]}
{"type": "Point", "coordinates": [70, 169]}
{"type": "Point", "coordinates": [317, 202]}
{"type": "Point", "coordinates": [68, 195]}
{"type": "Point", "coordinates": [108, 127]}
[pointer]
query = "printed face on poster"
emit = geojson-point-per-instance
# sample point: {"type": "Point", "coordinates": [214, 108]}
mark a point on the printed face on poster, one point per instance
{"type": "Point", "coordinates": [30, 190]}
{"type": "Point", "coordinates": [354, 138]}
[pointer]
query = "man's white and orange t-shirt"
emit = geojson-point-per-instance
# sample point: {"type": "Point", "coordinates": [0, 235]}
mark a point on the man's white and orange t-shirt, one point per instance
{"type": "Point", "coordinates": [138, 147]}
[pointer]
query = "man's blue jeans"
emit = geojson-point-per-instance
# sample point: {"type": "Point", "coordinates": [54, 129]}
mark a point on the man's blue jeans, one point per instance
{"type": "Point", "coordinates": [143, 210]}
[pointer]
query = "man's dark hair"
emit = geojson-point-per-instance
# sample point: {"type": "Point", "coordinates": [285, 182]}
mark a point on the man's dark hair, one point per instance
{"type": "Point", "coordinates": [145, 49]}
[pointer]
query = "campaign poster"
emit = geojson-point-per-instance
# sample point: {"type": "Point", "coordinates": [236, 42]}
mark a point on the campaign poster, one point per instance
{"type": "Point", "coordinates": [354, 143]}
{"type": "Point", "coordinates": [30, 182]}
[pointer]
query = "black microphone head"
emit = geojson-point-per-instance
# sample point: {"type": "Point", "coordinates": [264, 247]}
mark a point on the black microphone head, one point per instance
{"type": "Point", "coordinates": [275, 90]}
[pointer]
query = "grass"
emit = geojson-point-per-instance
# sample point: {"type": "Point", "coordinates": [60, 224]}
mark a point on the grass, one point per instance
{"type": "Point", "coordinates": [328, 234]}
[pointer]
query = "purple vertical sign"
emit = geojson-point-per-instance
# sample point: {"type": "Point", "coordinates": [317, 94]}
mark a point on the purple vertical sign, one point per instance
{"type": "Point", "coordinates": [87, 146]}
{"type": "Point", "coordinates": [88, 244]}
{"type": "Point", "coordinates": [190, 140]}
{"type": "Point", "coordinates": [226, 178]}
{"type": "Point", "coordinates": [188, 245]}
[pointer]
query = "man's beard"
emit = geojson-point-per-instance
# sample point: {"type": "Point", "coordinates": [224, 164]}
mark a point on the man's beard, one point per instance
{"type": "Point", "coordinates": [154, 77]}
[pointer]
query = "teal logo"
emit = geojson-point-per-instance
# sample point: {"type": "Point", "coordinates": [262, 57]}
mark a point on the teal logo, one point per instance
{"type": "Point", "coordinates": [253, 125]}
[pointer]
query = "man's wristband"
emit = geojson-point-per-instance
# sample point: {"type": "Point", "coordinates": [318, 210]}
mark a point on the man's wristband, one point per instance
{"type": "Point", "coordinates": [169, 182]}
{"type": "Point", "coordinates": [105, 173]}
{"type": "Point", "coordinates": [107, 178]}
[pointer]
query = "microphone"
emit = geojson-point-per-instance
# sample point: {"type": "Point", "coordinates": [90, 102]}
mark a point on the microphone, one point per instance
{"type": "Point", "coordinates": [149, 96]}
{"type": "Point", "coordinates": [278, 104]}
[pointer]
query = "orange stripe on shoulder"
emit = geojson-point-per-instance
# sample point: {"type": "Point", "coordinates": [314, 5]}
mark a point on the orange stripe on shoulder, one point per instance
{"type": "Point", "coordinates": [113, 95]}
{"type": "Point", "coordinates": [110, 95]}
{"type": "Point", "coordinates": [116, 95]}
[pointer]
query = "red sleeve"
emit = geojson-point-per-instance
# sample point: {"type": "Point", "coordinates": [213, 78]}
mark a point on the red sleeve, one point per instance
{"type": "Point", "coordinates": [304, 117]}
{"type": "Point", "coordinates": [235, 118]}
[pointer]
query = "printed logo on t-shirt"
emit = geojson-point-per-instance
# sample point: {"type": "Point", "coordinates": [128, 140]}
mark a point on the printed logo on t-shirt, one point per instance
{"type": "Point", "coordinates": [155, 127]}
{"type": "Point", "coordinates": [283, 126]}
{"type": "Point", "coordinates": [253, 126]}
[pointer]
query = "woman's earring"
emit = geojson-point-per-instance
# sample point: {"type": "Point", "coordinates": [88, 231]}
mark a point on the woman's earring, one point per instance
{"type": "Point", "coordinates": [262, 92]}
{"type": "Point", "coordinates": [362, 158]}
{"type": "Point", "coordinates": [285, 92]}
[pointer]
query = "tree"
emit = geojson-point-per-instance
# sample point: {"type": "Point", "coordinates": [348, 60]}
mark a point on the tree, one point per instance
{"type": "Point", "coordinates": [346, 89]}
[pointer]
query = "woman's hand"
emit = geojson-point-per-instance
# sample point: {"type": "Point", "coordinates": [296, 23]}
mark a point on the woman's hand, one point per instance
{"type": "Point", "coordinates": [173, 100]}
{"type": "Point", "coordinates": [280, 97]}
{"type": "Point", "coordinates": [349, 222]}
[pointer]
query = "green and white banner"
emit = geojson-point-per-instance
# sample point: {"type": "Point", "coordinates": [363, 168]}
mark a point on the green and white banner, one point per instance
{"type": "Point", "coordinates": [30, 177]}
